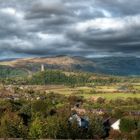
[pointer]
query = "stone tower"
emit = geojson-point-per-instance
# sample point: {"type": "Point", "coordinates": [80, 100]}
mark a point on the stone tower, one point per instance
{"type": "Point", "coordinates": [42, 68]}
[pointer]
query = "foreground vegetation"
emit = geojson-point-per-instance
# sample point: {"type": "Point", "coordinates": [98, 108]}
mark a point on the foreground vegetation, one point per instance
{"type": "Point", "coordinates": [40, 105]}
{"type": "Point", "coordinates": [48, 117]}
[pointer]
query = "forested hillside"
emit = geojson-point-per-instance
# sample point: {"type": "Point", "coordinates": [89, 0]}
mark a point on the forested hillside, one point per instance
{"type": "Point", "coordinates": [6, 71]}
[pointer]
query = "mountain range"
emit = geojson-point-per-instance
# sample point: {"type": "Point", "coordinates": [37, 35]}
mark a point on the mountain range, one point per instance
{"type": "Point", "coordinates": [122, 66]}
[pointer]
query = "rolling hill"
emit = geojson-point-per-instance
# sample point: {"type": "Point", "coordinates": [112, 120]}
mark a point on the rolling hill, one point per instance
{"type": "Point", "coordinates": [123, 66]}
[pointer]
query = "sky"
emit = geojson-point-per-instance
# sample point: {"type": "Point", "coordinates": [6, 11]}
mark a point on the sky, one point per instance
{"type": "Point", "coordinates": [89, 28]}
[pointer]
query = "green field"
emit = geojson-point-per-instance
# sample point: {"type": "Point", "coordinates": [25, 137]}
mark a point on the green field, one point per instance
{"type": "Point", "coordinates": [88, 92]}
{"type": "Point", "coordinates": [110, 96]}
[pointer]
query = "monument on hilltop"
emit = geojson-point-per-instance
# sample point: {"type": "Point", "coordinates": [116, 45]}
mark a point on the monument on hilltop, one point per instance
{"type": "Point", "coordinates": [42, 68]}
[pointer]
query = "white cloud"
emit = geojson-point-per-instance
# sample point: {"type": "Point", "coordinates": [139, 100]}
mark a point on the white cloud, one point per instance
{"type": "Point", "coordinates": [42, 36]}
{"type": "Point", "coordinates": [9, 10]}
{"type": "Point", "coordinates": [12, 12]}
{"type": "Point", "coordinates": [108, 23]}
{"type": "Point", "coordinates": [51, 38]}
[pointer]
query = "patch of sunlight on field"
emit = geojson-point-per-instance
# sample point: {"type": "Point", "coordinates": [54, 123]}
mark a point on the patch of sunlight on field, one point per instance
{"type": "Point", "coordinates": [6, 63]}
{"type": "Point", "coordinates": [136, 87]}
{"type": "Point", "coordinates": [99, 89]}
{"type": "Point", "coordinates": [106, 88]}
{"type": "Point", "coordinates": [84, 89]}
{"type": "Point", "coordinates": [70, 91]}
{"type": "Point", "coordinates": [110, 96]}
{"type": "Point", "coordinates": [63, 91]}
{"type": "Point", "coordinates": [67, 91]}
{"type": "Point", "coordinates": [136, 84]}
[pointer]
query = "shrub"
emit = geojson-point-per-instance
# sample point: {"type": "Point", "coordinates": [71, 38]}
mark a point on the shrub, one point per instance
{"type": "Point", "coordinates": [128, 124]}
{"type": "Point", "coordinates": [118, 113]}
{"type": "Point", "coordinates": [36, 129]}
{"type": "Point", "coordinates": [114, 134]}
{"type": "Point", "coordinates": [42, 107]}
{"type": "Point", "coordinates": [74, 99]}
{"type": "Point", "coordinates": [136, 134]}
{"type": "Point", "coordinates": [12, 126]}
{"type": "Point", "coordinates": [101, 100]}
{"type": "Point", "coordinates": [25, 114]}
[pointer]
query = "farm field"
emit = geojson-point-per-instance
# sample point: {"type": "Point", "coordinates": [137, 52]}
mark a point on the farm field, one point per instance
{"type": "Point", "coordinates": [86, 92]}
{"type": "Point", "coordinates": [107, 92]}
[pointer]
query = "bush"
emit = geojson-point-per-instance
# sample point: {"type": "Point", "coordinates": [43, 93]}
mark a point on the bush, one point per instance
{"type": "Point", "coordinates": [118, 113]}
{"type": "Point", "coordinates": [136, 134]}
{"type": "Point", "coordinates": [74, 99]}
{"type": "Point", "coordinates": [42, 107]}
{"type": "Point", "coordinates": [115, 135]}
{"type": "Point", "coordinates": [25, 114]}
{"type": "Point", "coordinates": [36, 129]}
{"type": "Point", "coordinates": [128, 124]}
{"type": "Point", "coordinates": [101, 100]}
{"type": "Point", "coordinates": [12, 126]}
{"type": "Point", "coordinates": [58, 127]}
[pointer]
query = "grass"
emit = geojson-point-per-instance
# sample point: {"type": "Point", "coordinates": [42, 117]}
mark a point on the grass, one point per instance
{"type": "Point", "coordinates": [110, 96]}
{"type": "Point", "coordinates": [137, 87]}
{"type": "Point", "coordinates": [85, 92]}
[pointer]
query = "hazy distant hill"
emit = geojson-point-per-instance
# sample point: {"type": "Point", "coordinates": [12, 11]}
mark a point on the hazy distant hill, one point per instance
{"type": "Point", "coordinates": [127, 66]}
{"type": "Point", "coordinates": [109, 65]}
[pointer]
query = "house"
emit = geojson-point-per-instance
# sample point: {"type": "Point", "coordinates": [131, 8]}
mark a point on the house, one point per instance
{"type": "Point", "coordinates": [116, 125]}
{"type": "Point", "coordinates": [82, 122]}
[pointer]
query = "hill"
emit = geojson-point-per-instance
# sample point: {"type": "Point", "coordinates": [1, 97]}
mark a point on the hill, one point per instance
{"type": "Point", "coordinates": [123, 66]}
{"type": "Point", "coordinates": [58, 62]}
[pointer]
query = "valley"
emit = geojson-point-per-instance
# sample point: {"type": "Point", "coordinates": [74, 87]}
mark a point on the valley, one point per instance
{"type": "Point", "coordinates": [44, 96]}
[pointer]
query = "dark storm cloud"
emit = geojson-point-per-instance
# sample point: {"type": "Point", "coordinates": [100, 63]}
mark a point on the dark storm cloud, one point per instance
{"type": "Point", "coordinates": [47, 9]}
{"type": "Point", "coordinates": [74, 27]}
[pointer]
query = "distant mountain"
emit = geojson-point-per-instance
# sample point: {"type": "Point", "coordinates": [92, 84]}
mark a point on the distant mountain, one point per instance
{"type": "Point", "coordinates": [125, 66]}
{"type": "Point", "coordinates": [8, 59]}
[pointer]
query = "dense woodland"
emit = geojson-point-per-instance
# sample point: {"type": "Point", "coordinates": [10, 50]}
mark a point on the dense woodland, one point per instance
{"type": "Point", "coordinates": [19, 76]}
{"type": "Point", "coordinates": [8, 72]}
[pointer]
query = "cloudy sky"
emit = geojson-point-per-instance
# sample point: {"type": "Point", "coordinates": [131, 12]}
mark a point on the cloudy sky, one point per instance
{"type": "Point", "coordinates": [90, 28]}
